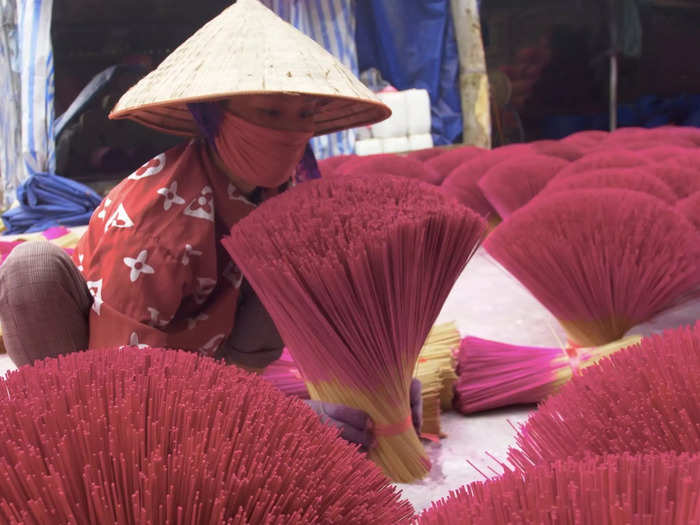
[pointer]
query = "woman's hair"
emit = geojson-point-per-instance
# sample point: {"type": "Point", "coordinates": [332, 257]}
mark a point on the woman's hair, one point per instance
{"type": "Point", "coordinates": [208, 117]}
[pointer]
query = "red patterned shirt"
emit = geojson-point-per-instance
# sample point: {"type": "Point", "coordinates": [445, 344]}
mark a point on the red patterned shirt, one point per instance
{"type": "Point", "coordinates": [152, 258]}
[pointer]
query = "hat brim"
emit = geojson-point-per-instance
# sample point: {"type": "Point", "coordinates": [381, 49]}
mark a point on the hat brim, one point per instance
{"type": "Point", "coordinates": [336, 114]}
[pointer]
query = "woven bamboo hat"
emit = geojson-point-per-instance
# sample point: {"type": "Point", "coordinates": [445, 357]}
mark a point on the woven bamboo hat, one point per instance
{"type": "Point", "coordinates": [248, 50]}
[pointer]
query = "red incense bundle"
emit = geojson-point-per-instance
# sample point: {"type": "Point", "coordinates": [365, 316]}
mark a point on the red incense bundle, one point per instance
{"type": "Point", "coordinates": [684, 180]}
{"type": "Point", "coordinates": [387, 163]}
{"type": "Point", "coordinates": [690, 207]}
{"type": "Point", "coordinates": [616, 158]}
{"type": "Point", "coordinates": [690, 159]}
{"type": "Point", "coordinates": [435, 370]}
{"type": "Point", "coordinates": [659, 153]}
{"type": "Point", "coordinates": [613, 490]}
{"type": "Point", "coordinates": [602, 261]}
{"type": "Point", "coordinates": [556, 148]}
{"type": "Point", "coordinates": [586, 140]}
{"type": "Point", "coordinates": [462, 182]}
{"type": "Point", "coordinates": [643, 398]}
{"type": "Point", "coordinates": [329, 166]}
{"type": "Point", "coordinates": [689, 133]}
{"type": "Point", "coordinates": [511, 184]}
{"type": "Point", "coordinates": [449, 160]}
{"type": "Point", "coordinates": [424, 155]}
{"type": "Point", "coordinates": [152, 436]}
{"type": "Point", "coordinates": [494, 375]}
{"type": "Point", "coordinates": [641, 139]}
{"type": "Point", "coordinates": [635, 179]}
{"type": "Point", "coordinates": [353, 271]}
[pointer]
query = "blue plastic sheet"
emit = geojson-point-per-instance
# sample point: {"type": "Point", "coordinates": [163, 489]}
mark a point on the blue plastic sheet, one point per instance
{"type": "Point", "coordinates": [47, 200]}
{"type": "Point", "coordinates": [413, 44]}
{"type": "Point", "coordinates": [647, 112]}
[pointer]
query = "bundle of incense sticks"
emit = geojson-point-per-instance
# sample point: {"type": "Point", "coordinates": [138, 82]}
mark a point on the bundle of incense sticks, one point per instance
{"type": "Point", "coordinates": [643, 398]}
{"type": "Point", "coordinates": [602, 261]}
{"type": "Point", "coordinates": [354, 271]}
{"type": "Point", "coordinates": [125, 436]}
{"type": "Point", "coordinates": [435, 370]}
{"type": "Point", "coordinates": [493, 375]}
{"type": "Point", "coordinates": [616, 490]}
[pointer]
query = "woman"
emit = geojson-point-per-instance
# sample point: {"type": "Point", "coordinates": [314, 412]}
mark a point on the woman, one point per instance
{"type": "Point", "coordinates": [150, 269]}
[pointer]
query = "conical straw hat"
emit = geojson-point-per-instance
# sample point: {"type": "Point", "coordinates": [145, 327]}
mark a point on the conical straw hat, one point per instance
{"type": "Point", "coordinates": [248, 50]}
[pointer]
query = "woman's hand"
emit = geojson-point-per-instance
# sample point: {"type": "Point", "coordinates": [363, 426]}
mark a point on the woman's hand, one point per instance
{"type": "Point", "coordinates": [355, 425]}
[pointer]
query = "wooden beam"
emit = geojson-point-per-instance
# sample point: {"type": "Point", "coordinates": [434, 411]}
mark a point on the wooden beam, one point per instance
{"type": "Point", "coordinates": [474, 84]}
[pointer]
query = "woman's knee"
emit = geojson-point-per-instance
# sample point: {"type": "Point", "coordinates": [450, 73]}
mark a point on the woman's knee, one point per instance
{"type": "Point", "coordinates": [33, 267]}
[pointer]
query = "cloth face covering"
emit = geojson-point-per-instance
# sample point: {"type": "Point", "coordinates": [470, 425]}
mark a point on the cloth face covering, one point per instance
{"type": "Point", "coordinates": [262, 156]}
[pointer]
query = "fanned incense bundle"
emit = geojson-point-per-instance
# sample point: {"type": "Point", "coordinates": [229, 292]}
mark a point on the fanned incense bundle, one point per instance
{"type": "Point", "coordinates": [556, 148]}
{"type": "Point", "coordinates": [601, 261]}
{"type": "Point", "coordinates": [329, 166]}
{"type": "Point", "coordinates": [643, 398]}
{"type": "Point", "coordinates": [689, 133]}
{"type": "Point", "coordinates": [435, 370]}
{"type": "Point", "coordinates": [690, 207]}
{"type": "Point", "coordinates": [448, 161]}
{"type": "Point", "coordinates": [153, 436]}
{"type": "Point", "coordinates": [424, 155]}
{"type": "Point", "coordinates": [511, 184]}
{"type": "Point", "coordinates": [684, 180]}
{"type": "Point", "coordinates": [586, 140]}
{"type": "Point", "coordinates": [601, 160]}
{"type": "Point", "coordinates": [641, 139]}
{"type": "Point", "coordinates": [635, 179]}
{"type": "Point", "coordinates": [660, 153]}
{"type": "Point", "coordinates": [388, 163]}
{"type": "Point", "coordinates": [354, 271]}
{"type": "Point", "coordinates": [494, 375]}
{"type": "Point", "coordinates": [660, 489]}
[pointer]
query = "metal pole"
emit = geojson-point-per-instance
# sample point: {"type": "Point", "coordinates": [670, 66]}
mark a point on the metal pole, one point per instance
{"type": "Point", "coordinates": [613, 90]}
{"type": "Point", "coordinates": [613, 64]}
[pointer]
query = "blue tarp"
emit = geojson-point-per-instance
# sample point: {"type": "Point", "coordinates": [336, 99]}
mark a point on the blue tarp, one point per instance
{"type": "Point", "coordinates": [47, 200]}
{"type": "Point", "coordinates": [647, 112]}
{"type": "Point", "coordinates": [413, 44]}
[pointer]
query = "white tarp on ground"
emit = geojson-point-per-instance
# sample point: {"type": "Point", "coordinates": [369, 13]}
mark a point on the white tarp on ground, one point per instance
{"type": "Point", "coordinates": [27, 91]}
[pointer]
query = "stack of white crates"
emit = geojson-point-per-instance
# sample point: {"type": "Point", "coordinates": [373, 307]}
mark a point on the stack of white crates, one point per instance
{"type": "Point", "coordinates": [407, 129]}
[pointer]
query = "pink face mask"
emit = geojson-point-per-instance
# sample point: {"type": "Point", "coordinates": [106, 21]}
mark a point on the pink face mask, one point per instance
{"type": "Point", "coordinates": [261, 156]}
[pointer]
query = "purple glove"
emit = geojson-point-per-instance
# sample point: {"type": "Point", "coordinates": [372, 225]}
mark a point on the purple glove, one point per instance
{"type": "Point", "coordinates": [355, 425]}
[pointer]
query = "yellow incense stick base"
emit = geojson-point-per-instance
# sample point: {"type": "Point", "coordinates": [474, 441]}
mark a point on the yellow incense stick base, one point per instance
{"type": "Point", "coordinates": [401, 456]}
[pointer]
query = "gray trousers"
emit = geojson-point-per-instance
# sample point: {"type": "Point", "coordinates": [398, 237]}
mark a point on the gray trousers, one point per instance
{"type": "Point", "coordinates": [44, 303]}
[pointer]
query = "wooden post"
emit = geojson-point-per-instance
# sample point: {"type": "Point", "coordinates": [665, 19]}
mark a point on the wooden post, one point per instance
{"type": "Point", "coordinates": [474, 83]}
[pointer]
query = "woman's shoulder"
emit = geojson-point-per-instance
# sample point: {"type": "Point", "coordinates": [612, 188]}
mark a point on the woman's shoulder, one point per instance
{"type": "Point", "coordinates": [158, 199]}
